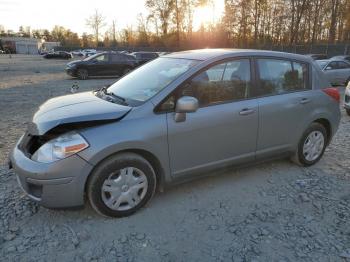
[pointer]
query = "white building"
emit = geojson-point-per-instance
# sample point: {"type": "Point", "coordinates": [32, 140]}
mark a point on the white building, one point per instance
{"type": "Point", "coordinates": [48, 46]}
{"type": "Point", "coordinates": [22, 45]}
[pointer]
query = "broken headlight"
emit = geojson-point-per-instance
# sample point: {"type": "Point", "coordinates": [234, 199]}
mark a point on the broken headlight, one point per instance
{"type": "Point", "coordinates": [60, 147]}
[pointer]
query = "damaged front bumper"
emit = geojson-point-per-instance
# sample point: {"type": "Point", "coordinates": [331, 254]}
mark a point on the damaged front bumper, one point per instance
{"type": "Point", "coordinates": [54, 185]}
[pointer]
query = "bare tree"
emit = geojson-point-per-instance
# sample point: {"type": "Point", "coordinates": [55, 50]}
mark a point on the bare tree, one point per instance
{"type": "Point", "coordinates": [162, 10]}
{"type": "Point", "coordinates": [96, 22]}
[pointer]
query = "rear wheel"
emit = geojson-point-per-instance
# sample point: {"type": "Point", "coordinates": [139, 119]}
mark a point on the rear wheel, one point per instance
{"type": "Point", "coordinates": [121, 185]}
{"type": "Point", "coordinates": [311, 145]}
{"type": "Point", "coordinates": [82, 74]}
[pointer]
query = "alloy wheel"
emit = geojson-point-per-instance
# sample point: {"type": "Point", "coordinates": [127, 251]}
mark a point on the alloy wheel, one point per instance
{"type": "Point", "coordinates": [313, 145]}
{"type": "Point", "coordinates": [124, 189]}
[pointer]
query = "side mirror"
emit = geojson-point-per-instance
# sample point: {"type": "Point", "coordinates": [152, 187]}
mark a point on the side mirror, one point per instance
{"type": "Point", "coordinates": [328, 68]}
{"type": "Point", "coordinates": [185, 104]}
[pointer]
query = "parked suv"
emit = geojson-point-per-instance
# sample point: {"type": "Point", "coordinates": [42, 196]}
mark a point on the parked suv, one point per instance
{"type": "Point", "coordinates": [180, 115]}
{"type": "Point", "coordinates": [337, 71]}
{"type": "Point", "coordinates": [102, 64]}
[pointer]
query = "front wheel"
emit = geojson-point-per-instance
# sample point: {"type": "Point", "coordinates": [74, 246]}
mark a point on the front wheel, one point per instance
{"type": "Point", "coordinates": [311, 145]}
{"type": "Point", "coordinates": [348, 111]}
{"type": "Point", "coordinates": [121, 185]}
{"type": "Point", "coordinates": [82, 74]}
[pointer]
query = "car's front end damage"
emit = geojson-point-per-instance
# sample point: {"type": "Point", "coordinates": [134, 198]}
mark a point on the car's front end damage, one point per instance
{"type": "Point", "coordinates": [46, 158]}
{"type": "Point", "coordinates": [56, 184]}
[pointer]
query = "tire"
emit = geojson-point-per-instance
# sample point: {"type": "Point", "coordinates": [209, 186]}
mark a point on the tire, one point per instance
{"type": "Point", "coordinates": [348, 111]}
{"type": "Point", "coordinates": [109, 174]}
{"type": "Point", "coordinates": [301, 157]}
{"type": "Point", "coordinates": [126, 70]}
{"type": "Point", "coordinates": [82, 74]}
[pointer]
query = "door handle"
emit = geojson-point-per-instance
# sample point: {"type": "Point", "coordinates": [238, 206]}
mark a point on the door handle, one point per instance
{"type": "Point", "coordinates": [246, 111]}
{"type": "Point", "coordinates": [305, 101]}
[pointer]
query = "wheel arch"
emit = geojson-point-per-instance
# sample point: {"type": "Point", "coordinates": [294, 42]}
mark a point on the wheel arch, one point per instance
{"type": "Point", "coordinates": [327, 125]}
{"type": "Point", "coordinates": [151, 158]}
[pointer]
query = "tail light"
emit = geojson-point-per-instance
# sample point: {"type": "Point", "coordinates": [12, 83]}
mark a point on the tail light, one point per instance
{"type": "Point", "coordinates": [332, 92]}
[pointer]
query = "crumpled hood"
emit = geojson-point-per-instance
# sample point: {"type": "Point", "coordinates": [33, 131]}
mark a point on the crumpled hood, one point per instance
{"type": "Point", "coordinates": [76, 108]}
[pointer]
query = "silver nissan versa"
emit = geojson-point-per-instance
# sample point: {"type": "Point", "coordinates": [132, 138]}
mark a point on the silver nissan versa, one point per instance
{"type": "Point", "coordinates": [177, 116]}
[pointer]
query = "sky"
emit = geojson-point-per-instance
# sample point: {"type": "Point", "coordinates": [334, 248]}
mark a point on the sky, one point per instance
{"type": "Point", "coordinates": [72, 14]}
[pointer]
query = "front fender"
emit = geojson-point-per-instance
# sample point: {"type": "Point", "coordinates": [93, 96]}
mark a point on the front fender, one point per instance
{"type": "Point", "coordinates": [147, 134]}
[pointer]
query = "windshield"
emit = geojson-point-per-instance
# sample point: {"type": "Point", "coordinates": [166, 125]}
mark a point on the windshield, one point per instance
{"type": "Point", "coordinates": [146, 81]}
{"type": "Point", "coordinates": [91, 57]}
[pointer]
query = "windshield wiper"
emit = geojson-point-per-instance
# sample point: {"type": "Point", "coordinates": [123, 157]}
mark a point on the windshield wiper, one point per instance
{"type": "Point", "coordinates": [105, 92]}
{"type": "Point", "coordinates": [116, 96]}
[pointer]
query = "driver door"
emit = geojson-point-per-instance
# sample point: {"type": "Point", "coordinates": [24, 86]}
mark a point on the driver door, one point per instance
{"type": "Point", "coordinates": [99, 66]}
{"type": "Point", "coordinates": [223, 131]}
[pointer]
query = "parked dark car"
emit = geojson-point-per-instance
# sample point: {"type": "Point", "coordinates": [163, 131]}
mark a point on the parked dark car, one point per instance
{"type": "Point", "coordinates": [318, 56]}
{"type": "Point", "coordinates": [102, 64]}
{"type": "Point", "coordinates": [58, 55]}
{"type": "Point", "coordinates": [342, 57]}
{"type": "Point", "coordinates": [144, 57]}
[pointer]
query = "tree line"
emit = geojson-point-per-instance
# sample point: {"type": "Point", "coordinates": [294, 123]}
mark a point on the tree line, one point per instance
{"type": "Point", "coordinates": [244, 23]}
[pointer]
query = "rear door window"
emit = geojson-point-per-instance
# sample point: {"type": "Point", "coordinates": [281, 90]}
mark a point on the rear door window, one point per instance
{"type": "Point", "coordinates": [332, 66]}
{"type": "Point", "coordinates": [281, 76]}
{"type": "Point", "coordinates": [117, 58]}
{"type": "Point", "coordinates": [102, 58]}
{"type": "Point", "coordinates": [301, 80]}
{"type": "Point", "coordinates": [343, 65]}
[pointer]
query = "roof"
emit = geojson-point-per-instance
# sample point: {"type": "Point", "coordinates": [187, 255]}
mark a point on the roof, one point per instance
{"type": "Point", "coordinates": [19, 39]}
{"type": "Point", "coordinates": [206, 54]}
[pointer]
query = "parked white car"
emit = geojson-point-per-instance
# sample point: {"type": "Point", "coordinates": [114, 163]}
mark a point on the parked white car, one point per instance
{"type": "Point", "coordinates": [337, 71]}
{"type": "Point", "coordinates": [89, 52]}
{"type": "Point", "coordinates": [76, 52]}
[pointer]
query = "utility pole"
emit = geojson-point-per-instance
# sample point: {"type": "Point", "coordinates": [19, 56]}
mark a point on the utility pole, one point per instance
{"type": "Point", "coordinates": [113, 33]}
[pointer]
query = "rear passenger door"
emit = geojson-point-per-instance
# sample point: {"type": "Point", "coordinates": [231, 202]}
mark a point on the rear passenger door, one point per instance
{"type": "Point", "coordinates": [99, 66]}
{"type": "Point", "coordinates": [284, 105]}
{"type": "Point", "coordinates": [116, 64]}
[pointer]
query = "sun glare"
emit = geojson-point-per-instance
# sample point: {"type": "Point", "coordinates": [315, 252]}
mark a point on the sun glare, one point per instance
{"type": "Point", "coordinates": [211, 13]}
{"type": "Point", "coordinates": [202, 16]}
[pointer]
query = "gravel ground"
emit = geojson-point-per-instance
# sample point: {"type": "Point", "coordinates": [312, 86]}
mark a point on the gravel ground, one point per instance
{"type": "Point", "coordinates": [274, 211]}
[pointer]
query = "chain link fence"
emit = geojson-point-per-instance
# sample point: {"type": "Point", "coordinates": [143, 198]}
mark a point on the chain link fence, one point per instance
{"type": "Point", "coordinates": [329, 50]}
